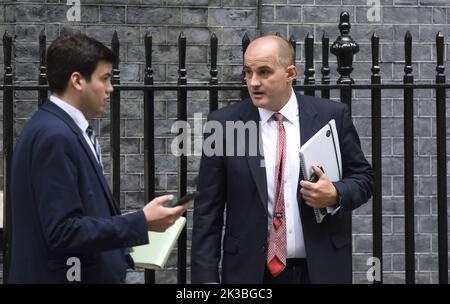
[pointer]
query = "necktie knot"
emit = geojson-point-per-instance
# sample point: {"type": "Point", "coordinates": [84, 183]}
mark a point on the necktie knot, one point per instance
{"type": "Point", "coordinates": [90, 131]}
{"type": "Point", "coordinates": [95, 144]}
{"type": "Point", "coordinates": [278, 117]}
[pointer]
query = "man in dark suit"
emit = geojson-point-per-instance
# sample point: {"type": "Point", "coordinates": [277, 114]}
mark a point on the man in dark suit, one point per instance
{"type": "Point", "coordinates": [66, 226]}
{"type": "Point", "coordinates": [271, 234]}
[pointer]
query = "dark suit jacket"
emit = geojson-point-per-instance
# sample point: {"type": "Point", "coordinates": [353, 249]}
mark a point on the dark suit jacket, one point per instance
{"type": "Point", "coordinates": [239, 184]}
{"type": "Point", "coordinates": [62, 207]}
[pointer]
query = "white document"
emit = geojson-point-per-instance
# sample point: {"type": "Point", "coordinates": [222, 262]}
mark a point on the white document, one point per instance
{"type": "Point", "coordinates": [322, 150]}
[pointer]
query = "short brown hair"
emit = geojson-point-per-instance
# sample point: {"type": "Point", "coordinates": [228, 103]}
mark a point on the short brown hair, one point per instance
{"type": "Point", "coordinates": [76, 53]}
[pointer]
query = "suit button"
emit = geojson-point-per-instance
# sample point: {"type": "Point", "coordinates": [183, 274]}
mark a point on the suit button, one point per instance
{"type": "Point", "coordinates": [263, 248]}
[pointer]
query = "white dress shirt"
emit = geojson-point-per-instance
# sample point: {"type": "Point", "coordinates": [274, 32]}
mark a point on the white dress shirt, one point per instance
{"type": "Point", "coordinates": [77, 117]}
{"type": "Point", "coordinates": [269, 136]}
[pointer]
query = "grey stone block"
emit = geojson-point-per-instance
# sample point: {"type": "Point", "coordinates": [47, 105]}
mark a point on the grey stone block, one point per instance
{"type": "Point", "coordinates": [234, 35]}
{"type": "Point", "coordinates": [134, 163]}
{"type": "Point", "coordinates": [28, 33]}
{"type": "Point", "coordinates": [131, 109]}
{"type": "Point", "coordinates": [395, 52]}
{"type": "Point", "coordinates": [134, 128]}
{"type": "Point", "coordinates": [393, 206]}
{"type": "Point", "coordinates": [433, 2]}
{"type": "Point", "coordinates": [166, 277]}
{"type": "Point", "coordinates": [187, 2]}
{"type": "Point", "coordinates": [157, 16]}
{"type": "Point", "coordinates": [393, 278]}
{"type": "Point", "coordinates": [268, 13]}
{"type": "Point", "coordinates": [172, 182]}
{"type": "Point", "coordinates": [427, 185]}
{"type": "Point", "coordinates": [398, 185]}
{"type": "Point", "coordinates": [362, 224]}
{"type": "Point", "coordinates": [158, 33]}
{"type": "Point", "coordinates": [89, 14]}
{"type": "Point", "coordinates": [104, 33]}
{"type": "Point", "coordinates": [229, 54]}
{"type": "Point", "coordinates": [135, 277]}
{"type": "Point", "coordinates": [69, 29]}
{"type": "Point", "coordinates": [423, 243]}
{"type": "Point", "coordinates": [165, 163]}
{"type": "Point", "coordinates": [194, 16]}
{"type": "Point", "coordinates": [112, 14]}
{"type": "Point", "coordinates": [288, 14]}
{"type": "Point", "coordinates": [26, 52]}
{"type": "Point", "coordinates": [359, 262]}
{"type": "Point", "coordinates": [272, 29]}
{"type": "Point", "coordinates": [324, 14]}
{"type": "Point", "coordinates": [427, 224]}
{"type": "Point", "coordinates": [25, 109]}
{"type": "Point", "coordinates": [160, 182]}
{"type": "Point", "coordinates": [26, 71]}
{"type": "Point", "coordinates": [130, 72]}
{"type": "Point", "coordinates": [241, 17]}
{"type": "Point", "coordinates": [129, 182]}
{"type": "Point", "coordinates": [134, 200]}
{"type": "Point", "coordinates": [40, 13]}
{"type": "Point", "coordinates": [239, 3]}
{"type": "Point", "coordinates": [121, 1]}
{"type": "Point", "coordinates": [129, 145]}
{"type": "Point", "coordinates": [363, 243]}
{"type": "Point", "coordinates": [194, 35]}
{"type": "Point", "coordinates": [392, 165]}
{"type": "Point", "coordinates": [407, 15]}
{"type": "Point", "coordinates": [428, 262]}
{"type": "Point", "coordinates": [439, 15]}
{"type": "Point", "coordinates": [422, 165]}
{"type": "Point", "coordinates": [427, 33]}
{"type": "Point", "coordinates": [406, 2]}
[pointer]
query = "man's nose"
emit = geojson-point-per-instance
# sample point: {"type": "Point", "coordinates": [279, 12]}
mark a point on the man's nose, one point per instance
{"type": "Point", "coordinates": [254, 81]}
{"type": "Point", "coordinates": [110, 88]}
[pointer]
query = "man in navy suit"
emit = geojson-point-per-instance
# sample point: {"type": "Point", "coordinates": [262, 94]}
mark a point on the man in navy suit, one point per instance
{"type": "Point", "coordinates": [66, 226]}
{"type": "Point", "coordinates": [256, 248]}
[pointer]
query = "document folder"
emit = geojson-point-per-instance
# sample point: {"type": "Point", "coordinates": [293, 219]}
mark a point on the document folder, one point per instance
{"type": "Point", "coordinates": [322, 149]}
{"type": "Point", "coordinates": [155, 254]}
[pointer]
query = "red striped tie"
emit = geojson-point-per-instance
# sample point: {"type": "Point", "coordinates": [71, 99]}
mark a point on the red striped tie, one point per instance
{"type": "Point", "coordinates": [276, 255]}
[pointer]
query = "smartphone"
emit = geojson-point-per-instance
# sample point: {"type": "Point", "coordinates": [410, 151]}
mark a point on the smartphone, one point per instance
{"type": "Point", "coordinates": [314, 178]}
{"type": "Point", "coordinates": [180, 201]}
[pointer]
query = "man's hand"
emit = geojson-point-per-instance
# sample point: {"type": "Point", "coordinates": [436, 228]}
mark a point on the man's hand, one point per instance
{"type": "Point", "coordinates": [158, 217]}
{"type": "Point", "coordinates": [320, 194]}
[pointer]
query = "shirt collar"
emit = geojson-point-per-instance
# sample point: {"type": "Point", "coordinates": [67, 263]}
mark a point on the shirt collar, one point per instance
{"type": "Point", "coordinates": [73, 112]}
{"type": "Point", "coordinates": [289, 111]}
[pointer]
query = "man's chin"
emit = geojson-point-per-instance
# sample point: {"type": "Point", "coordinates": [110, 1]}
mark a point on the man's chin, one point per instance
{"type": "Point", "coordinates": [259, 102]}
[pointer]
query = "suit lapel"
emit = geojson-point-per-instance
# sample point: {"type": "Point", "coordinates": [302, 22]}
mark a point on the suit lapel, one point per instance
{"type": "Point", "coordinates": [307, 116]}
{"type": "Point", "coordinates": [258, 171]}
{"type": "Point", "coordinates": [61, 114]}
{"type": "Point", "coordinates": [308, 127]}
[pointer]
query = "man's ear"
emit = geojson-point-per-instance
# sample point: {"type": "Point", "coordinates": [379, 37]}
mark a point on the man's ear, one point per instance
{"type": "Point", "coordinates": [291, 73]}
{"type": "Point", "coordinates": [76, 81]}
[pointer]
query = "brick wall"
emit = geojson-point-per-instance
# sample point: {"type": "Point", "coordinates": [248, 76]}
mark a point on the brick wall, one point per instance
{"type": "Point", "coordinates": [229, 19]}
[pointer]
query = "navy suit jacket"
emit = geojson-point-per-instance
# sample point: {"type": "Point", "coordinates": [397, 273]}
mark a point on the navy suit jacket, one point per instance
{"type": "Point", "coordinates": [62, 207]}
{"type": "Point", "coordinates": [238, 183]}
